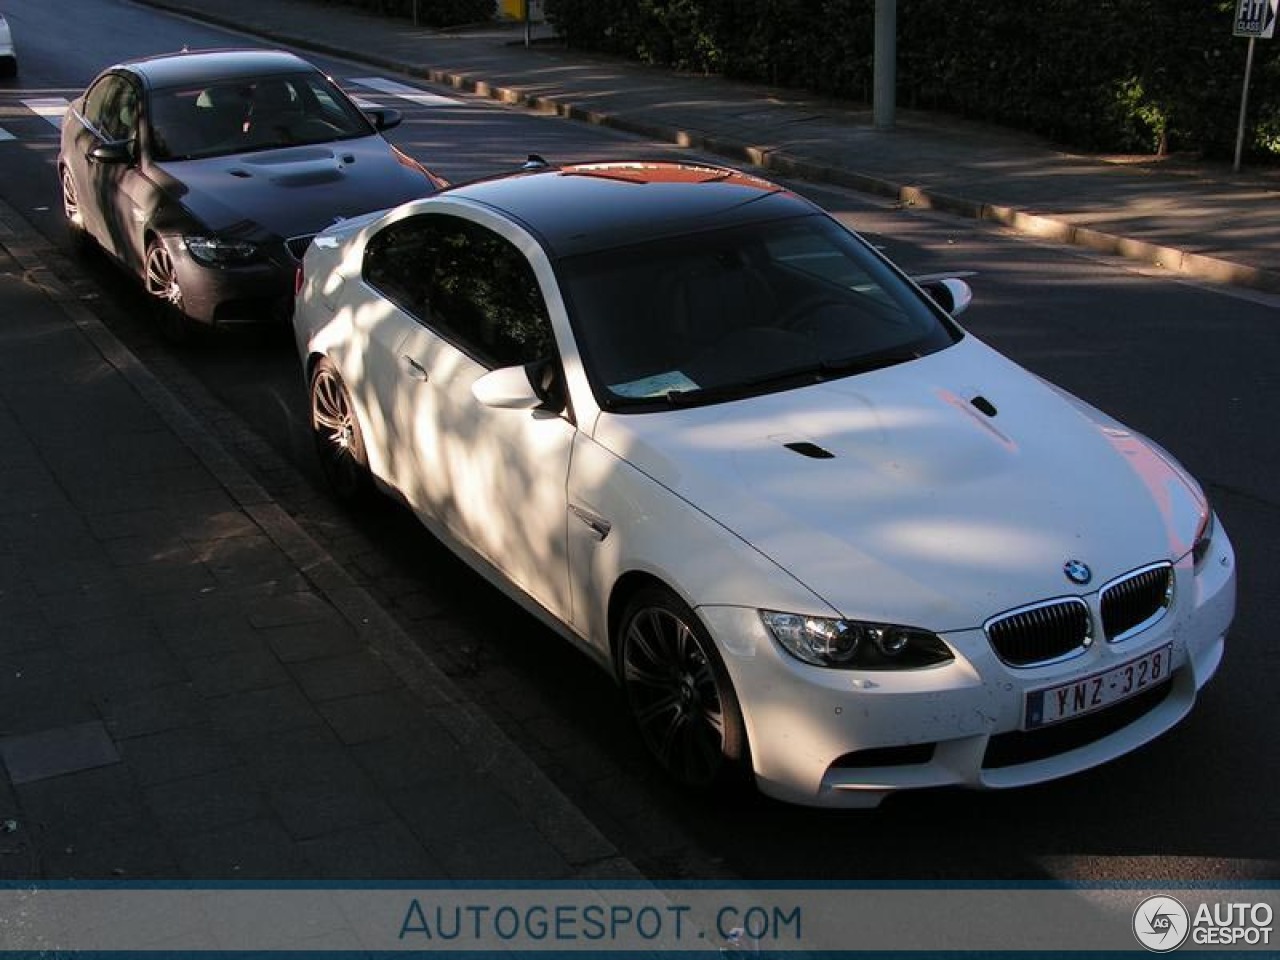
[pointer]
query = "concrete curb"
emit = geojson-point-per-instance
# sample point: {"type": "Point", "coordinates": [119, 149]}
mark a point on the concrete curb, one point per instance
{"type": "Point", "coordinates": [552, 814]}
{"type": "Point", "coordinates": [1042, 226]}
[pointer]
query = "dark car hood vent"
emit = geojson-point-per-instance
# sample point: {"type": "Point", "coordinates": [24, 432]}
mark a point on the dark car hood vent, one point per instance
{"type": "Point", "coordinates": [810, 450]}
{"type": "Point", "coordinates": [297, 173]}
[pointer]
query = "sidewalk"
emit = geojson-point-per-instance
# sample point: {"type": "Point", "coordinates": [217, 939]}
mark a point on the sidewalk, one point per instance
{"type": "Point", "coordinates": [1199, 220]}
{"type": "Point", "coordinates": [189, 686]}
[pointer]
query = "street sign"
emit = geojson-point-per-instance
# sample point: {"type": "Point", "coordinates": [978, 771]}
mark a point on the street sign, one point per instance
{"type": "Point", "coordinates": [1256, 18]}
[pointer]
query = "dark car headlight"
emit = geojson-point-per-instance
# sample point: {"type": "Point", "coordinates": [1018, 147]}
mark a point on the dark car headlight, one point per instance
{"type": "Point", "coordinates": [854, 644]}
{"type": "Point", "coordinates": [217, 252]}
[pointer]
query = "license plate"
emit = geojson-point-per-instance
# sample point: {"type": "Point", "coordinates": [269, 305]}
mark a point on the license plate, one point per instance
{"type": "Point", "coordinates": [1075, 699]}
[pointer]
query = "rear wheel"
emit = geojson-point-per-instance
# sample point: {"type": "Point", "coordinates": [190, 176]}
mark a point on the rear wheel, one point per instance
{"type": "Point", "coordinates": [339, 442]}
{"type": "Point", "coordinates": [679, 692]}
{"type": "Point", "coordinates": [161, 279]}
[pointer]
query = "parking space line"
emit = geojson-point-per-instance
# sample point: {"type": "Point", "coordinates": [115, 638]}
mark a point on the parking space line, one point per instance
{"type": "Point", "coordinates": [405, 92]}
{"type": "Point", "coordinates": [50, 108]}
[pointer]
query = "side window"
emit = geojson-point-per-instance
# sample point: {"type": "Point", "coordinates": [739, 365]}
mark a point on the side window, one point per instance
{"type": "Point", "coordinates": [112, 108]}
{"type": "Point", "coordinates": [467, 283]}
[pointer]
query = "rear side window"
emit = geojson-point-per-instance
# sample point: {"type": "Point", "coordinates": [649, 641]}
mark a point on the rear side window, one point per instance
{"type": "Point", "coordinates": [466, 283]}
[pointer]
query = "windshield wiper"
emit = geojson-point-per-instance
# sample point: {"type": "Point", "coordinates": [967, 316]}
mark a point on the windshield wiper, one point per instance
{"type": "Point", "coordinates": [865, 362]}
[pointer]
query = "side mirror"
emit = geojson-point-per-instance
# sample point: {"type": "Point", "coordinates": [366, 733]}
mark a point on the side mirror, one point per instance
{"type": "Point", "coordinates": [535, 386]}
{"type": "Point", "coordinates": [950, 293]}
{"type": "Point", "coordinates": [384, 118]}
{"type": "Point", "coordinates": [114, 151]}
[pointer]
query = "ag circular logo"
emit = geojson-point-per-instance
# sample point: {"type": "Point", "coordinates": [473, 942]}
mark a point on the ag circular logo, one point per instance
{"type": "Point", "coordinates": [1161, 923]}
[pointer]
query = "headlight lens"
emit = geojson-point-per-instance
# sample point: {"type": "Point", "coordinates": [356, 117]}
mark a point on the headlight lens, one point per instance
{"type": "Point", "coordinates": [854, 644]}
{"type": "Point", "coordinates": [219, 252]}
{"type": "Point", "coordinates": [1204, 539]}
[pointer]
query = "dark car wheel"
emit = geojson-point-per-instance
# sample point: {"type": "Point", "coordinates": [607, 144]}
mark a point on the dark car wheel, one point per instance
{"type": "Point", "coordinates": [339, 442]}
{"type": "Point", "coordinates": [80, 239]}
{"type": "Point", "coordinates": [679, 692]}
{"type": "Point", "coordinates": [161, 278]}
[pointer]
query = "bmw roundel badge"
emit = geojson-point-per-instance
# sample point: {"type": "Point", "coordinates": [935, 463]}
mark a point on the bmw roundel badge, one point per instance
{"type": "Point", "coordinates": [1077, 571]}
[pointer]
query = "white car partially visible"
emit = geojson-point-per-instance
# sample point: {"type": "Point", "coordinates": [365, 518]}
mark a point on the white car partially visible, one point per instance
{"type": "Point", "coordinates": [815, 529]}
{"type": "Point", "coordinates": [8, 55]}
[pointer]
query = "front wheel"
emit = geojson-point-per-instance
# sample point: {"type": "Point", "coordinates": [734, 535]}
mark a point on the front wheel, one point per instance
{"type": "Point", "coordinates": [161, 279]}
{"type": "Point", "coordinates": [679, 692]}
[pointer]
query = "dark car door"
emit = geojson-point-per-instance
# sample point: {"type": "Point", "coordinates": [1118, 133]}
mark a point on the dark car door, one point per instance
{"type": "Point", "coordinates": [108, 188]}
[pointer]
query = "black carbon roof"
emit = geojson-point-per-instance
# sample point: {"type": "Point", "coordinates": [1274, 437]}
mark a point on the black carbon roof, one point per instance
{"type": "Point", "coordinates": [586, 207]}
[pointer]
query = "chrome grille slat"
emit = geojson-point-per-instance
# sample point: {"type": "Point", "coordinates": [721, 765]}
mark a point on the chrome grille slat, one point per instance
{"type": "Point", "coordinates": [1040, 633]}
{"type": "Point", "coordinates": [1136, 601]}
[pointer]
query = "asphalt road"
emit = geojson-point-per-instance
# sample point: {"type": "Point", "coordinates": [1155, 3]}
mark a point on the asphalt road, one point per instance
{"type": "Point", "coordinates": [1193, 367]}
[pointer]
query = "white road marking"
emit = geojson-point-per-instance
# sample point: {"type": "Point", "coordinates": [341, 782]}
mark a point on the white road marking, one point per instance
{"type": "Point", "coordinates": [365, 104]}
{"type": "Point", "coordinates": [6, 135]}
{"type": "Point", "coordinates": [405, 92]}
{"type": "Point", "coordinates": [51, 108]}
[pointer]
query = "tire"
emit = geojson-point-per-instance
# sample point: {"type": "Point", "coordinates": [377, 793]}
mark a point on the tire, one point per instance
{"type": "Point", "coordinates": [339, 441]}
{"type": "Point", "coordinates": [679, 692]}
{"type": "Point", "coordinates": [161, 280]}
{"type": "Point", "coordinates": [79, 238]}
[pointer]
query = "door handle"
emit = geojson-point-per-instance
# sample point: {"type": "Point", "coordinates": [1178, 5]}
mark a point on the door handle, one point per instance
{"type": "Point", "coordinates": [416, 370]}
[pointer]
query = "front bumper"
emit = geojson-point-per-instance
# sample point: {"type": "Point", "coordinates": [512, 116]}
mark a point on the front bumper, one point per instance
{"type": "Point", "coordinates": [840, 738]}
{"type": "Point", "coordinates": [260, 291]}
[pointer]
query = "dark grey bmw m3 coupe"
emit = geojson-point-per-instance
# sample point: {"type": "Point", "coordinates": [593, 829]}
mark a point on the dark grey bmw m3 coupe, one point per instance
{"type": "Point", "coordinates": [207, 173]}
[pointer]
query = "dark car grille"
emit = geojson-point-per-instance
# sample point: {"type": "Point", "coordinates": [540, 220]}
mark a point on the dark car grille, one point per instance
{"type": "Point", "coordinates": [297, 246]}
{"type": "Point", "coordinates": [1040, 633]}
{"type": "Point", "coordinates": [1136, 601]}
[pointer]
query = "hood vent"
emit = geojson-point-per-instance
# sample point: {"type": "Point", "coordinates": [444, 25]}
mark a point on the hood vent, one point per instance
{"type": "Point", "coordinates": [983, 405]}
{"type": "Point", "coordinates": [810, 450]}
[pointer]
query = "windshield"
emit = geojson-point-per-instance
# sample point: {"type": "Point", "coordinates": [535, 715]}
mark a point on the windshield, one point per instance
{"type": "Point", "coordinates": [726, 314]}
{"type": "Point", "coordinates": [243, 115]}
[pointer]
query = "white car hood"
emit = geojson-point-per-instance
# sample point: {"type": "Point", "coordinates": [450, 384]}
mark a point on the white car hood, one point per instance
{"type": "Point", "coordinates": [930, 512]}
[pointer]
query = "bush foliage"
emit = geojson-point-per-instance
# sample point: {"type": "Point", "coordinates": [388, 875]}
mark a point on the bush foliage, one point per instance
{"type": "Point", "coordinates": [1126, 75]}
{"type": "Point", "coordinates": [430, 13]}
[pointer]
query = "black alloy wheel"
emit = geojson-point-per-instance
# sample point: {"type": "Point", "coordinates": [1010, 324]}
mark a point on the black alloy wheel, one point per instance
{"type": "Point", "coordinates": [679, 692]}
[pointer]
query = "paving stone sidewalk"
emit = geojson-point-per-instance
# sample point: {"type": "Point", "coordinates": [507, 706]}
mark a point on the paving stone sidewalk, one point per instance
{"type": "Point", "coordinates": [190, 688]}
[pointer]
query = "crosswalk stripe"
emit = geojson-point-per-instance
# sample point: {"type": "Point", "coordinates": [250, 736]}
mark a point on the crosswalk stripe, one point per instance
{"type": "Point", "coordinates": [364, 104]}
{"type": "Point", "coordinates": [6, 135]}
{"type": "Point", "coordinates": [405, 92]}
{"type": "Point", "coordinates": [50, 108]}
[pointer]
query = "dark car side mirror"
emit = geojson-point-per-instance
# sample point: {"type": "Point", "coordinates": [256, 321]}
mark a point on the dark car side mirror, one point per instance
{"type": "Point", "coordinates": [384, 118]}
{"type": "Point", "coordinates": [114, 151]}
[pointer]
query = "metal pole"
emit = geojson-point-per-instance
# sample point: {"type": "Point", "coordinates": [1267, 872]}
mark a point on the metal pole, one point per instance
{"type": "Point", "coordinates": [528, 22]}
{"type": "Point", "coordinates": [886, 64]}
{"type": "Point", "coordinates": [1244, 105]}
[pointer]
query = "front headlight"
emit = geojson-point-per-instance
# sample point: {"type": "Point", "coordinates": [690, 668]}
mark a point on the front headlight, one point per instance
{"type": "Point", "coordinates": [218, 252]}
{"type": "Point", "coordinates": [853, 644]}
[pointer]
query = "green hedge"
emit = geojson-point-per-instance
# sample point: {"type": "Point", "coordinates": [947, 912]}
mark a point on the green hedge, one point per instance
{"type": "Point", "coordinates": [1126, 75]}
{"type": "Point", "coordinates": [431, 13]}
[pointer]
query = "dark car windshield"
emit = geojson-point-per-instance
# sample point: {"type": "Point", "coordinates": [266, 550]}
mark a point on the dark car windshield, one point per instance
{"type": "Point", "coordinates": [721, 315]}
{"type": "Point", "coordinates": [247, 114]}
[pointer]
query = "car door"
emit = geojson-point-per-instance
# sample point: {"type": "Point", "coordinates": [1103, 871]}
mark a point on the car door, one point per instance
{"type": "Point", "coordinates": [495, 479]}
{"type": "Point", "coordinates": [109, 191]}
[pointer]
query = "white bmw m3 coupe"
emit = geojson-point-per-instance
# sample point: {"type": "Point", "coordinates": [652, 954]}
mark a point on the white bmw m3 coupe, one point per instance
{"type": "Point", "coordinates": [816, 530]}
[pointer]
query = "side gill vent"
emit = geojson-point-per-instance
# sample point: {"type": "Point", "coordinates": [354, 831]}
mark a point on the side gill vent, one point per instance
{"type": "Point", "coordinates": [810, 450]}
{"type": "Point", "coordinates": [983, 405]}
